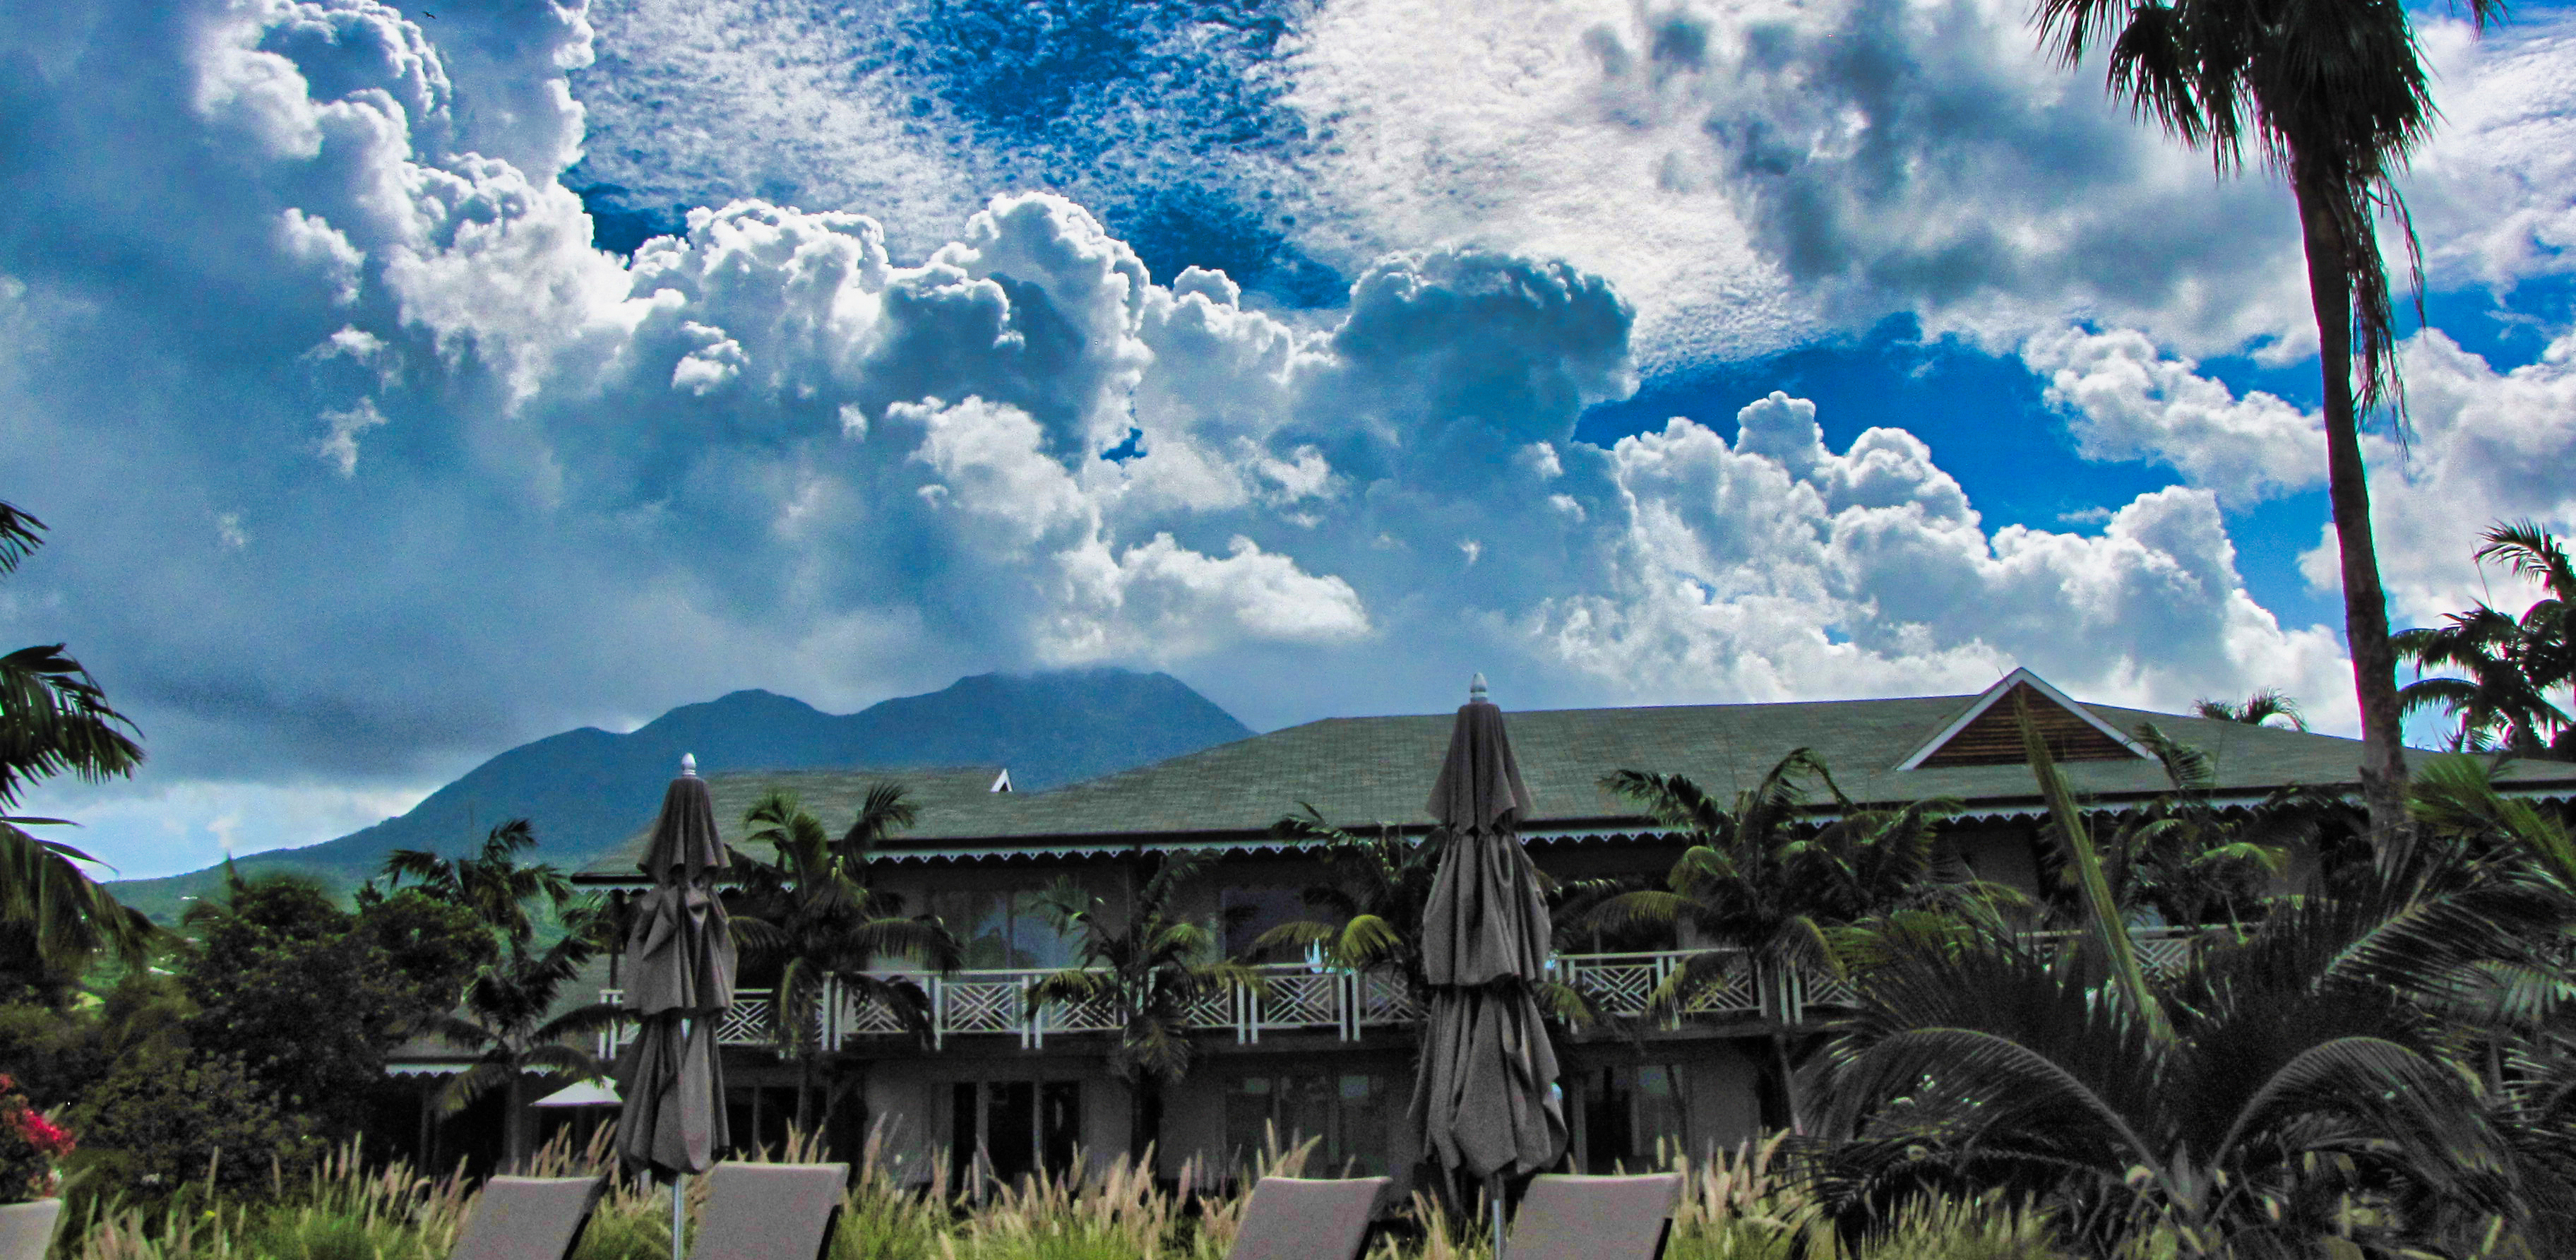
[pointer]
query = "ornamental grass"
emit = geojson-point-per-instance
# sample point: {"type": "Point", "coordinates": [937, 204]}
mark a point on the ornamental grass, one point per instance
{"type": "Point", "coordinates": [1741, 1205]}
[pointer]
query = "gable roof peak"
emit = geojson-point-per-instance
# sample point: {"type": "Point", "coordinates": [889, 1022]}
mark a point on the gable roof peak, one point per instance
{"type": "Point", "coordinates": [1987, 732]}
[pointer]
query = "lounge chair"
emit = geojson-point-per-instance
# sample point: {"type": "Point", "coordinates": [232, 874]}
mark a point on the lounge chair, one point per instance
{"type": "Point", "coordinates": [528, 1218]}
{"type": "Point", "coordinates": [1294, 1218]}
{"type": "Point", "coordinates": [770, 1211]}
{"type": "Point", "coordinates": [1594, 1218]}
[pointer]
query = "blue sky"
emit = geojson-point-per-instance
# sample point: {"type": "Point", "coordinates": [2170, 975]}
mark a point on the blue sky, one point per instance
{"type": "Point", "coordinates": [403, 383]}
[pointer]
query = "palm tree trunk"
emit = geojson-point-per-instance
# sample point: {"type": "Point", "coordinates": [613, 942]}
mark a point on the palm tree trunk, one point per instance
{"type": "Point", "coordinates": [2365, 604]}
{"type": "Point", "coordinates": [1789, 1099]}
{"type": "Point", "coordinates": [516, 1130]}
{"type": "Point", "coordinates": [805, 1093]}
{"type": "Point", "coordinates": [1144, 1116]}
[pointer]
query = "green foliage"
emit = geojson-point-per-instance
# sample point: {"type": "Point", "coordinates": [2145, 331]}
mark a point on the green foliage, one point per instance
{"type": "Point", "coordinates": [1148, 965]}
{"type": "Point", "coordinates": [55, 720]}
{"type": "Point", "coordinates": [288, 984]}
{"type": "Point", "coordinates": [2190, 862]}
{"type": "Point", "coordinates": [169, 1115]}
{"type": "Point", "coordinates": [58, 1056]}
{"type": "Point", "coordinates": [2510, 664]}
{"type": "Point", "coordinates": [2258, 709]}
{"type": "Point", "coordinates": [490, 884]}
{"type": "Point", "coordinates": [815, 913]}
{"type": "Point", "coordinates": [2316, 1078]}
{"type": "Point", "coordinates": [1759, 878]}
{"type": "Point", "coordinates": [432, 946]}
{"type": "Point", "coordinates": [1372, 902]}
{"type": "Point", "coordinates": [507, 1006]}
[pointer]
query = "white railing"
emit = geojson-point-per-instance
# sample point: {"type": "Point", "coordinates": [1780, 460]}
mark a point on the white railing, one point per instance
{"type": "Point", "coordinates": [1294, 997]}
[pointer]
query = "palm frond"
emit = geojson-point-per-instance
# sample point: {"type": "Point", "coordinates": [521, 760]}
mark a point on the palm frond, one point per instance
{"type": "Point", "coordinates": [54, 720]}
{"type": "Point", "coordinates": [19, 536]}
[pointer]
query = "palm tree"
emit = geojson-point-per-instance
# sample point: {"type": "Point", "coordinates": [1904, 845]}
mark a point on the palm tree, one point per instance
{"type": "Point", "coordinates": [505, 1018]}
{"type": "Point", "coordinates": [2289, 1086]}
{"type": "Point", "coordinates": [1372, 900]}
{"type": "Point", "coordinates": [1151, 967]}
{"type": "Point", "coordinates": [2258, 709]}
{"type": "Point", "coordinates": [813, 912]}
{"type": "Point", "coordinates": [2336, 98]}
{"type": "Point", "coordinates": [2512, 664]}
{"type": "Point", "coordinates": [1756, 880]}
{"type": "Point", "coordinates": [2533, 554]}
{"type": "Point", "coordinates": [491, 882]}
{"type": "Point", "coordinates": [2185, 859]}
{"type": "Point", "coordinates": [55, 719]}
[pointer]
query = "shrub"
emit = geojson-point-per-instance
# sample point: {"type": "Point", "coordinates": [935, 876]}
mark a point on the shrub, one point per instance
{"type": "Point", "coordinates": [30, 1146]}
{"type": "Point", "coordinates": [169, 1116]}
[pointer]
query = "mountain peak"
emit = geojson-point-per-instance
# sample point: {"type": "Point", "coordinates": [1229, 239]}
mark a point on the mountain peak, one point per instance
{"type": "Point", "coordinates": [587, 793]}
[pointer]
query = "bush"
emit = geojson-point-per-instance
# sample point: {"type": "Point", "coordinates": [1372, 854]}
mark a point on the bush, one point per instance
{"type": "Point", "coordinates": [167, 1116]}
{"type": "Point", "coordinates": [30, 1145]}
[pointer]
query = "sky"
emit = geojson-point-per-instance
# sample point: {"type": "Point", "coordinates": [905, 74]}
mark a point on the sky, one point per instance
{"type": "Point", "coordinates": [400, 384]}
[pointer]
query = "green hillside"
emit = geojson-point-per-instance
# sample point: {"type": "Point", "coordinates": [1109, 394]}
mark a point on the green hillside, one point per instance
{"type": "Point", "coordinates": [585, 790]}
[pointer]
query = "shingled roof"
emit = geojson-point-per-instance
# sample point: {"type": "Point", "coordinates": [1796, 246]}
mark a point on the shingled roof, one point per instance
{"type": "Point", "coordinates": [1362, 771]}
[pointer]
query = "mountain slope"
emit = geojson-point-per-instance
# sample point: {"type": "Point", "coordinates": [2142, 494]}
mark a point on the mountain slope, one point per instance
{"type": "Point", "coordinates": [587, 789]}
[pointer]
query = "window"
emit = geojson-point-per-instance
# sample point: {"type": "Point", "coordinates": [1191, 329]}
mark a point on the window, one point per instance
{"type": "Point", "coordinates": [1626, 1117]}
{"type": "Point", "coordinates": [1002, 927]}
{"type": "Point", "coordinates": [1247, 912]}
{"type": "Point", "coordinates": [1348, 1113]}
{"type": "Point", "coordinates": [758, 1117]}
{"type": "Point", "coordinates": [1006, 1130]}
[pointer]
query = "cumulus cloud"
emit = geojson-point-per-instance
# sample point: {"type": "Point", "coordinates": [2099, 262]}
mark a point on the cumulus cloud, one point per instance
{"type": "Point", "coordinates": [2127, 401]}
{"type": "Point", "coordinates": [2491, 191]}
{"type": "Point", "coordinates": [551, 484]}
{"type": "Point", "coordinates": [2487, 446]}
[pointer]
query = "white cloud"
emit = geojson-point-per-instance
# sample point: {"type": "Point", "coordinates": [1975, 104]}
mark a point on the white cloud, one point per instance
{"type": "Point", "coordinates": [2125, 401]}
{"type": "Point", "coordinates": [2491, 192]}
{"type": "Point", "coordinates": [2487, 446]}
{"type": "Point", "coordinates": [340, 449]}
{"type": "Point", "coordinates": [186, 823]}
{"type": "Point", "coordinates": [775, 451]}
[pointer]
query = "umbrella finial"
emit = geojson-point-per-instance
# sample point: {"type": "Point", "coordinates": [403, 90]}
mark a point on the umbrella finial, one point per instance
{"type": "Point", "coordinates": [1476, 690]}
{"type": "Point", "coordinates": [688, 765]}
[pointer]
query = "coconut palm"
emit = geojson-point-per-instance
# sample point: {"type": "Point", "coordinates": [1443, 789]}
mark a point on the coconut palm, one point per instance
{"type": "Point", "coordinates": [1371, 903]}
{"type": "Point", "coordinates": [813, 912]}
{"type": "Point", "coordinates": [490, 882]}
{"type": "Point", "coordinates": [1152, 969]}
{"type": "Point", "coordinates": [2290, 1085]}
{"type": "Point", "coordinates": [2535, 555]}
{"type": "Point", "coordinates": [1758, 878]}
{"type": "Point", "coordinates": [2258, 709]}
{"type": "Point", "coordinates": [1372, 907]}
{"type": "Point", "coordinates": [2511, 663]}
{"type": "Point", "coordinates": [505, 1018]}
{"type": "Point", "coordinates": [54, 720]}
{"type": "Point", "coordinates": [2190, 862]}
{"type": "Point", "coordinates": [2336, 98]}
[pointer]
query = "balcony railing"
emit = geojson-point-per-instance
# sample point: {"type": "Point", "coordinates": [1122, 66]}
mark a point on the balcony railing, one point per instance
{"type": "Point", "coordinates": [1293, 998]}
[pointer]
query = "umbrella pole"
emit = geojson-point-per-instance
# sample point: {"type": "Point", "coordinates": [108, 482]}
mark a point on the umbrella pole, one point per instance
{"type": "Point", "coordinates": [679, 1193]}
{"type": "Point", "coordinates": [1494, 1195]}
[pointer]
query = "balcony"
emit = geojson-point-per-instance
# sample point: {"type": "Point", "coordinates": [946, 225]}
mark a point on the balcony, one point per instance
{"type": "Point", "coordinates": [1295, 998]}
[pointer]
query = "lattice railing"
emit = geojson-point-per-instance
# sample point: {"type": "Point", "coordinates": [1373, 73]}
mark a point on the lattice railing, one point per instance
{"type": "Point", "coordinates": [1302, 997]}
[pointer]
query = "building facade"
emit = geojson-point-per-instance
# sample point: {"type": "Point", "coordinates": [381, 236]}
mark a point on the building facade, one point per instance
{"type": "Point", "coordinates": [1006, 1085]}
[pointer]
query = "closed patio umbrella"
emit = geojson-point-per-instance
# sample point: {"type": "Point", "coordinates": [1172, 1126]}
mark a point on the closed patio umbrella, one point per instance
{"type": "Point", "coordinates": [679, 982]}
{"type": "Point", "coordinates": [1484, 1097]}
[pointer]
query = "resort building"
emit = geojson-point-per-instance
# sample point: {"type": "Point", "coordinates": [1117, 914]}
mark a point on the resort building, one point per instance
{"type": "Point", "coordinates": [1010, 1086]}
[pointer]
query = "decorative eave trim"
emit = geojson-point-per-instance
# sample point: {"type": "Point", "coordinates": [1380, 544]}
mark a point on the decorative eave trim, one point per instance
{"type": "Point", "coordinates": [1998, 692]}
{"type": "Point", "coordinates": [1574, 831]}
